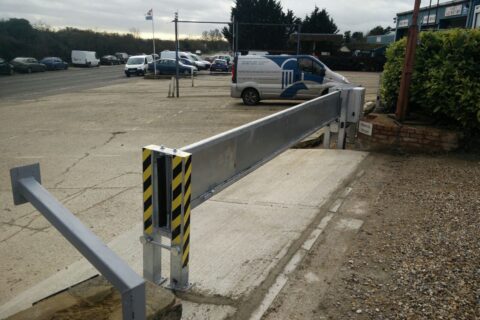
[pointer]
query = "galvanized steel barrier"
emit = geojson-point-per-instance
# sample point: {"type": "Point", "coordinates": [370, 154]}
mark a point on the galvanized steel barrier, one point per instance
{"type": "Point", "coordinates": [26, 187]}
{"type": "Point", "coordinates": [172, 189]}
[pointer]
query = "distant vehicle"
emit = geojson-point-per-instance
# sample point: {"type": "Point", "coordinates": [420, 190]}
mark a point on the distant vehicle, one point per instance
{"type": "Point", "coordinates": [257, 53]}
{"type": "Point", "coordinates": [200, 63]}
{"type": "Point", "coordinates": [109, 60]}
{"type": "Point", "coordinates": [155, 56]}
{"type": "Point", "coordinates": [187, 62]}
{"type": "Point", "coordinates": [5, 67]}
{"type": "Point", "coordinates": [54, 63]}
{"type": "Point", "coordinates": [137, 65]}
{"type": "Point", "coordinates": [167, 66]}
{"type": "Point", "coordinates": [122, 56]}
{"type": "Point", "coordinates": [198, 52]}
{"type": "Point", "coordinates": [281, 77]}
{"type": "Point", "coordinates": [27, 65]}
{"type": "Point", "coordinates": [85, 58]}
{"type": "Point", "coordinates": [228, 58]}
{"type": "Point", "coordinates": [220, 65]}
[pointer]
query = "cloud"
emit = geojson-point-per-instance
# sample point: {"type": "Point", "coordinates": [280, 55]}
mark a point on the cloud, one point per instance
{"type": "Point", "coordinates": [122, 15]}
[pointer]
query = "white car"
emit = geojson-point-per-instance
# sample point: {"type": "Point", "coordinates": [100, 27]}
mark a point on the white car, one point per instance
{"type": "Point", "coordinates": [199, 62]}
{"type": "Point", "coordinates": [137, 65]}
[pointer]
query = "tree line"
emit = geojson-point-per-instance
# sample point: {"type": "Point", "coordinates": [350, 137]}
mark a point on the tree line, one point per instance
{"type": "Point", "coordinates": [19, 38]}
{"type": "Point", "coordinates": [279, 38]}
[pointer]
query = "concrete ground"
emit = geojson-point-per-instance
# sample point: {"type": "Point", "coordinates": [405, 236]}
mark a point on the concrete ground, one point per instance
{"type": "Point", "coordinates": [88, 145]}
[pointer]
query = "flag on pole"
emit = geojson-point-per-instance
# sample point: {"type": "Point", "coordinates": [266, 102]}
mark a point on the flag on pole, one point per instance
{"type": "Point", "coordinates": [149, 15]}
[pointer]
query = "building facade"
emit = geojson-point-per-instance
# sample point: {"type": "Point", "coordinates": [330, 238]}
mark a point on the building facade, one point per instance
{"type": "Point", "coordinates": [443, 15]}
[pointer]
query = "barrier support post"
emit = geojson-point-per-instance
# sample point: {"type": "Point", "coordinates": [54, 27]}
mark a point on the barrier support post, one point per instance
{"type": "Point", "coordinates": [167, 195]}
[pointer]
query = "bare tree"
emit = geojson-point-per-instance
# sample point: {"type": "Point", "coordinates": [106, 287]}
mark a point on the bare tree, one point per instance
{"type": "Point", "coordinates": [135, 32]}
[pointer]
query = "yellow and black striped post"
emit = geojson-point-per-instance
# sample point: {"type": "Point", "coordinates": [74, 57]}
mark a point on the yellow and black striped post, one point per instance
{"type": "Point", "coordinates": [180, 225]}
{"type": "Point", "coordinates": [147, 192]}
{"type": "Point", "coordinates": [166, 213]}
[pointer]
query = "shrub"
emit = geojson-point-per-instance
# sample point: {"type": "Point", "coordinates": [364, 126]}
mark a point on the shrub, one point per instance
{"type": "Point", "coordinates": [446, 78]}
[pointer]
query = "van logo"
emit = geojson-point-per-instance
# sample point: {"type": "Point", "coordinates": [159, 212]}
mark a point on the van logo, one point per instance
{"type": "Point", "coordinates": [287, 78]}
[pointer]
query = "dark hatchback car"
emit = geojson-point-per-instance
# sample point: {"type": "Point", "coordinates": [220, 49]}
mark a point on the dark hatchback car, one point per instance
{"type": "Point", "coordinates": [167, 66]}
{"type": "Point", "coordinates": [54, 63]}
{"type": "Point", "coordinates": [220, 65]}
{"type": "Point", "coordinates": [109, 60]}
{"type": "Point", "coordinates": [5, 67]}
{"type": "Point", "coordinates": [122, 56]}
{"type": "Point", "coordinates": [27, 65]}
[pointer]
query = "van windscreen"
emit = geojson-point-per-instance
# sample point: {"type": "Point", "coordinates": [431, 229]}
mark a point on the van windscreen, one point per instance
{"type": "Point", "coordinates": [135, 61]}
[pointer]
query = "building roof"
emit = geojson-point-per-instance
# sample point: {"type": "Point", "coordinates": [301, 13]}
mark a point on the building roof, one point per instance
{"type": "Point", "coordinates": [434, 5]}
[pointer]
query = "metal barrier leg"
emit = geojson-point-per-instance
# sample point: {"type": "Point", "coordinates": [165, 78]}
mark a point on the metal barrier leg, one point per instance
{"type": "Point", "coordinates": [342, 121]}
{"type": "Point", "coordinates": [326, 138]}
{"type": "Point", "coordinates": [26, 187]}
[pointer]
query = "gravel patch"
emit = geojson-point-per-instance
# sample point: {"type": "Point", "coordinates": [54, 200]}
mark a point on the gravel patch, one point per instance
{"type": "Point", "coordinates": [418, 254]}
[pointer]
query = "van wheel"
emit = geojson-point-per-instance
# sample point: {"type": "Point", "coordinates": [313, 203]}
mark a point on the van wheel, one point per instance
{"type": "Point", "coordinates": [250, 97]}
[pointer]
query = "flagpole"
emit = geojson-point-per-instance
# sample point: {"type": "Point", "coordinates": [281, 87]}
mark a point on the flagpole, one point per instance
{"type": "Point", "coordinates": [153, 39]}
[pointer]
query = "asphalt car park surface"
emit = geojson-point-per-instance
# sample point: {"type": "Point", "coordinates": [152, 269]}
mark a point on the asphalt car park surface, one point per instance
{"type": "Point", "coordinates": [35, 85]}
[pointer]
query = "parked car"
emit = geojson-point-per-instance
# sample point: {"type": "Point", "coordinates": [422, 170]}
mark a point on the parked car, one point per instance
{"type": "Point", "coordinates": [225, 57]}
{"type": "Point", "coordinates": [167, 66]}
{"type": "Point", "coordinates": [85, 58]}
{"type": "Point", "coordinates": [187, 62]}
{"type": "Point", "coordinates": [137, 65]}
{"type": "Point", "coordinates": [122, 56]}
{"type": "Point", "coordinates": [54, 63]}
{"type": "Point", "coordinates": [109, 60]}
{"type": "Point", "coordinates": [220, 65]}
{"type": "Point", "coordinates": [200, 63]}
{"type": "Point", "coordinates": [27, 65]}
{"type": "Point", "coordinates": [5, 67]}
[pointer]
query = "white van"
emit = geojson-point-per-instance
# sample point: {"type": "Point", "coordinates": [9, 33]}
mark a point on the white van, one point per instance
{"type": "Point", "coordinates": [256, 78]}
{"type": "Point", "coordinates": [85, 58]}
{"type": "Point", "coordinates": [137, 65]}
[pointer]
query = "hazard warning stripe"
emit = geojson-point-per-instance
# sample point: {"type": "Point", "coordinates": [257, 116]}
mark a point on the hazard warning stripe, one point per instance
{"type": "Point", "coordinates": [147, 191]}
{"type": "Point", "coordinates": [186, 210]}
{"type": "Point", "coordinates": [177, 180]}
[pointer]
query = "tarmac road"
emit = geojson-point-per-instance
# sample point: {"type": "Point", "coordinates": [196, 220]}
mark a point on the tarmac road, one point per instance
{"type": "Point", "coordinates": [30, 86]}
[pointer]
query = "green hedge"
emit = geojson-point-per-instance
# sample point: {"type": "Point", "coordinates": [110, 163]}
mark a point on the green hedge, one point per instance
{"type": "Point", "coordinates": [446, 78]}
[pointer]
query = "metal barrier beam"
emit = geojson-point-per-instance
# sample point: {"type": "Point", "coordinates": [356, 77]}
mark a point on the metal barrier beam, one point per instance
{"type": "Point", "coordinates": [26, 187]}
{"type": "Point", "coordinates": [225, 158]}
{"type": "Point", "coordinates": [171, 188]}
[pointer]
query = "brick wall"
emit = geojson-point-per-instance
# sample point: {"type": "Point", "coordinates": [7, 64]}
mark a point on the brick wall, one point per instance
{"type": "Point", "coordinates": [387, 134]}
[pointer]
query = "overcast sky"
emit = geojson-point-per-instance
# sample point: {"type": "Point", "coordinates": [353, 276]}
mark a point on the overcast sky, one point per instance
{"type": "Point", "coordinates": [122, 15]}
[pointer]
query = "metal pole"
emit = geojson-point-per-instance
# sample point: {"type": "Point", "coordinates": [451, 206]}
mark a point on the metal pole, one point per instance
{"type": "Point", "coordinates": [153, 39]}
{"type": "Point", "coordinates": [428, 16]}
{"type": "Point", "coordinates": [233, 36]}
{"type": "Point", "coordinates": [299, 29]}
{"type": "Point", "coordinates": [26, 187]}
{"type": "Point", "coordinates": [403, 95]}
{"type": "Point", "coordinates": [176, 55]}
{"type": "Point", "coordinates": [237, 30]}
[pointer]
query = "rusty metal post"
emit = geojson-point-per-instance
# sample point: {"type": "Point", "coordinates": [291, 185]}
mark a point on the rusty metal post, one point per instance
{"type": "Point", "coordinates": [402, 103]}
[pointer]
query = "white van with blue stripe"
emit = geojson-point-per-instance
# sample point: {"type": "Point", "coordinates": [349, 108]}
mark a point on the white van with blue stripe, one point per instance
{"type": "Point", "coordinates": [302, 77]}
